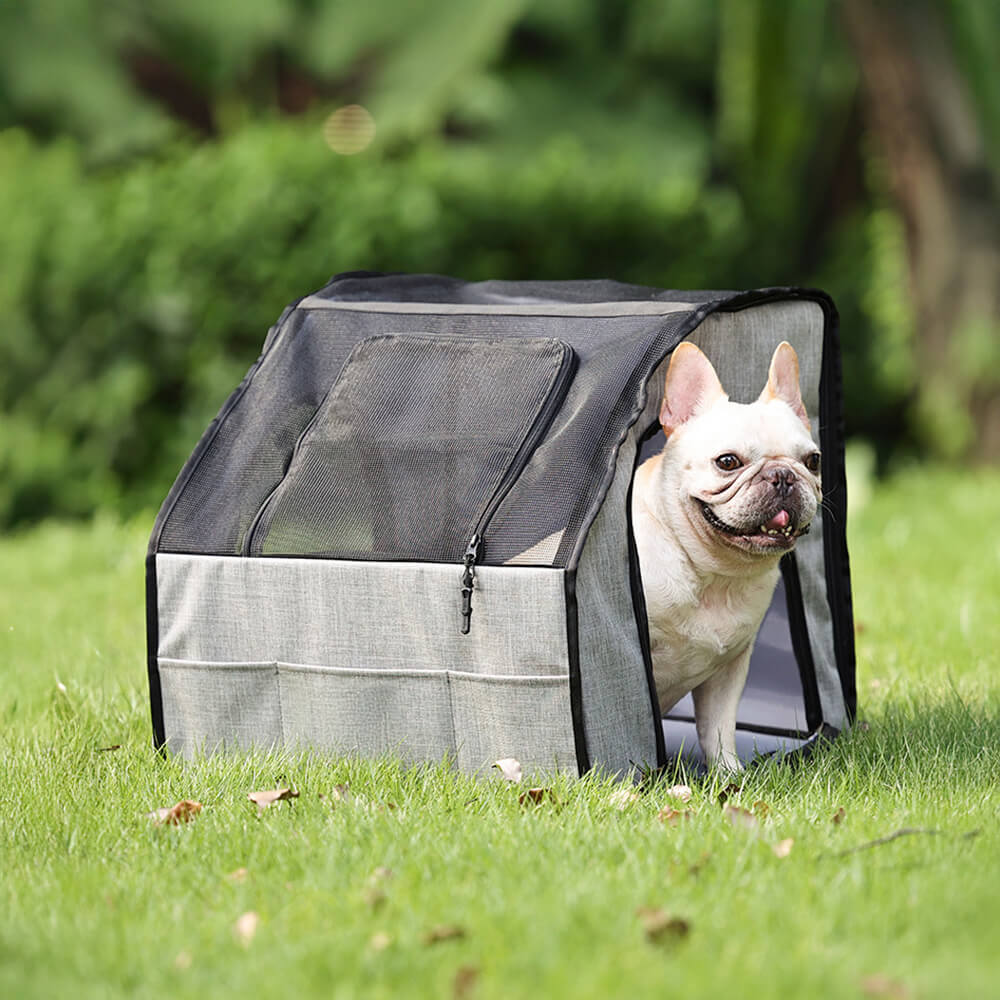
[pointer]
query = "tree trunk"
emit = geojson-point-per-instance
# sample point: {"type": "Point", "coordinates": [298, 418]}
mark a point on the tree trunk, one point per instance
{"type": "Point", "coordinates": [925, 127]}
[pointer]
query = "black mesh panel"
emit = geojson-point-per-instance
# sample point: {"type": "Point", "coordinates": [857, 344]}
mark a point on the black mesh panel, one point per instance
{"type": "Point", "coordinates": [417, 438]}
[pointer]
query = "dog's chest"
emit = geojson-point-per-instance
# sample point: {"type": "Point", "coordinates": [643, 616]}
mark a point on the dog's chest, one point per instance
{"type": "Point", "coordinates": [694, 630]}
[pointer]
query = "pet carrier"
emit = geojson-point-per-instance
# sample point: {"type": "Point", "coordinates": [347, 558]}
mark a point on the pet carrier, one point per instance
{"type": "Point", "coordinates": [408, 530]}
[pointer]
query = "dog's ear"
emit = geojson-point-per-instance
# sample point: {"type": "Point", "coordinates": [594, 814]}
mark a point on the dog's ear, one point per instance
{"type": "Point", "coordinates": [783, 381]}
{"type": "Point", "coordinates": [690, 386]}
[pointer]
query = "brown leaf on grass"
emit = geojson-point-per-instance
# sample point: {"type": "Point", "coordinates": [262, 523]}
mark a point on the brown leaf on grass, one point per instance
{"type": "Point", "coordinates": [443, 932]}
{"type": "Point", "coordinates": [838, 816]}
{"type": "Point", "coordinates": [238, 875]}
{"type": "Point", "coordinates": [373, 894]}
{"type": "Point", "coordinates": [183, 812]}
{"type": "Point", "coordinates": [695, 867]}
{"type": "Point", "coordinates": [379, 941]}
{"type": "Point", "coordinates": [728, 792]}
{"type": "Point", "coordinates": [535, 796]}
{"type": "Point", "coordinates": [509, 768]}
{"type": "Point", "coordinates": [682, 793]}
{"type": "Point", "coordinates": [339, 793]}
{"type": "Point", "coordinates": [262, 800]}
{"type": "Point", "coordinates": [246, 927]}
{"type": "Point", "coordinates": [373, 897]}
{"type": "Point", "coordinates": [783, 847]}
{"type": "Point", "coordinates": [622, 798]}
{"type": "Point", "coordinates": [761, 808]}
{"type": "Point", "coordinates": [114, 746]}
{"type": "Point", "coordinates": [673, 817]}
{"type": "Point", "coordinates": [741, 818]}
{"type": "Point", "coordinates": [466, 977]}
{"type": "Point", "coordinates": [660, 926]}
{"type": "Point", "coordinates": [879, 985]}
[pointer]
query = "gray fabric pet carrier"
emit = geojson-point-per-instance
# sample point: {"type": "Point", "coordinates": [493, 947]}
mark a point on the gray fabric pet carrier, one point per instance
{"type": "Point", "coordinates": [408, 530]}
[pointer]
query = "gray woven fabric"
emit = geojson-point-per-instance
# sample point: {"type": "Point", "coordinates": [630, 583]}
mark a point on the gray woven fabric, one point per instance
{"type": "Point", "coordinates": [618, 719]}
{"type": "Point", "coordinates": [364, 657]}
{"type": "Point", "coordinates": [210, 706]}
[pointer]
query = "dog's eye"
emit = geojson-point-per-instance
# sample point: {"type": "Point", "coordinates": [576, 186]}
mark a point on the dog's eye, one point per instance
{"type": "Point", "coordinates": [812, 462]}
{"type": "Point", "coordinates": [728, 462]}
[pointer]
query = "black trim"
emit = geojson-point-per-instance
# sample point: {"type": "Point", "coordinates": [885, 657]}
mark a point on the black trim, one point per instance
{"type": "Point", "coordinates": [639, 604]}
{"type": "Point", "coordinates": [798, 628]}
{"type": "Point", "coordinates": [836, 559]}
{"type": "Point", "coordinates": [152, 648]}
{"type": "Point", "coordinates": [575, 680]}
{"type": "Point", "coordinates": [746, 727]}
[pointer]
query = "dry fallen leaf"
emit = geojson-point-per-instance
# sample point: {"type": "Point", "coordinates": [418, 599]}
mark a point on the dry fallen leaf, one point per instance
{"type": "Point", "coordinates": [183, 812]}
{"type": "Point", "coordinates": [741, 818]}
{"type": "Point", "coordinates": [246, 926]}
{"type": "Point", "coordinates": [728, 792]}
{"type": "Point", "coordinates": [659, 925]}
{"type": "Point", "coordinates": [696, 867]}
{"type": "Point", "coordinates": [466, 977]}
{"type": "Point", "coordinates": [534, 796]}
{"type": "Point", "coordinates": [509, 768]}
{"type": "Point", "coordinates": [622, 798]}
{"type": "Point", "coordinates": [783, 848]}
{"type": "Point", "coordinates": [761, 808]}
{"type": "Point", "coordinates": [339, 793]}
{"type": "Point", "coordinates": [239, 875]}
{"type": "Point", "coordinates": [672, 817]}
{"type": "Point", "coordinates": [838, 816]}
{"type": "Point", "coordinates": [880, 985]}
{"type": "Point", "coordinates": [373, 897]}
{"type": "Point", "coordinates": [264, 799]}
{"type": "Point", "coordinates": [380, 941]}
{"type": "Point", "coordinates": [114, 746]}
{"type": "Point", "coordinates": [680, 792]}
{"type": "Point", "coordinates": [443, 932]}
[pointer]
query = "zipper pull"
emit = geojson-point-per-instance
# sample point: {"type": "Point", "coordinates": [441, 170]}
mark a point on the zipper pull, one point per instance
{"type": "Point", "coordinates": [472, 553]}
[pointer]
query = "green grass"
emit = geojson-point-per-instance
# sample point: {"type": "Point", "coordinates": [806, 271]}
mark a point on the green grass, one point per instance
{"type": "Point", "coordinates": [96, 901]}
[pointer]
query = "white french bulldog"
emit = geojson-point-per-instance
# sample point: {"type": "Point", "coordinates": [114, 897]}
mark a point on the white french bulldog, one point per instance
{"type": "Point", "coordinates": [713, 513]}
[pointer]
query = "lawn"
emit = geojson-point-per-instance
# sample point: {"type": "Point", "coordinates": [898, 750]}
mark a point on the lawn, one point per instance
{"type": "Point", "coordinates": [382, 882]}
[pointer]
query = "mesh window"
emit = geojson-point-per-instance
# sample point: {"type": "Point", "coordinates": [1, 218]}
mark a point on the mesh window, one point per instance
{"type": "Point", "coordinates": [415, 443]}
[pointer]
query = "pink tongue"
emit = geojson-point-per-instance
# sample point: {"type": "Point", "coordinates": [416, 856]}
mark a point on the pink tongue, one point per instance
{"type": "Point", "coordinates": [779, 520]}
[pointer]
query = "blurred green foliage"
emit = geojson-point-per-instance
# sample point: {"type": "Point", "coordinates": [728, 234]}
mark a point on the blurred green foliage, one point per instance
{"type": "Point", "coordinates": [166, 189]}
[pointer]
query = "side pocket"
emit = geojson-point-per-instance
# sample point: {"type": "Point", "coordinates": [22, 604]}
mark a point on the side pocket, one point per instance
{"type": "Point", "coordinates": [367, 712]}
{"type": "Point", "coordinates": [215, 706]}
{"type": "Point", "coordinates": [528, 718]}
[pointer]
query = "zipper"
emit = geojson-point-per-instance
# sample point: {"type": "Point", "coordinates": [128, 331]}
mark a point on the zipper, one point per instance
{"type": "Point", "coordinates": [475, 549]}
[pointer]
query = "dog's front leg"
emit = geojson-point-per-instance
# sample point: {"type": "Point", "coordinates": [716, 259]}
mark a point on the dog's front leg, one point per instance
{"type": "Point", "coordinates": [715, 702]}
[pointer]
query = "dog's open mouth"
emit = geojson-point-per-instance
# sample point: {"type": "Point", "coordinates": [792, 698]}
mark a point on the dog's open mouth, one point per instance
{"type": "Point", "coordinates": [779, 531]}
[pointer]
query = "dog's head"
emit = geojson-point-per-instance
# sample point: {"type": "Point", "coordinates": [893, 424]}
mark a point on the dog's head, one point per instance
{"type": "Point", "coordinates": [746, 477]}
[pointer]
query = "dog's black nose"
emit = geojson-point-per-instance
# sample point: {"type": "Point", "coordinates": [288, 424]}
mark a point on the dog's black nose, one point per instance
{"type": "Point", "coordinates": [781, 478]}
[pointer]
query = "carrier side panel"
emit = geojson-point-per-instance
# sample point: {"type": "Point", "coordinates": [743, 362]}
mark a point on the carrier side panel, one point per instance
{"type": "Point", "coordinates": [617, 711]}
{"type": "Point", "coordinates": [364, 657]}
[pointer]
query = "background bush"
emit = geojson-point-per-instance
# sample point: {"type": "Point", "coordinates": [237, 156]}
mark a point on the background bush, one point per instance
{"type": "Point", "coordinates": [166, 189]}
{"type": "Point", "coordinates": [133, 301]}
